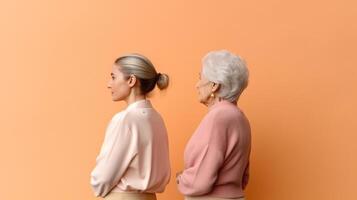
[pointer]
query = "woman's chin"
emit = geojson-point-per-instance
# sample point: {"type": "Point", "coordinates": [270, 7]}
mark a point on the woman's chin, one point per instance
{"type": "Point", "coordinates": [115, 98]}
{"type": "Point", "coordinates": [202, 101]}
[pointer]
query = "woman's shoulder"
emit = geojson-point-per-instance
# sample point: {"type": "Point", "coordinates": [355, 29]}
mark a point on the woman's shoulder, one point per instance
{"type": "Point", "coordinates": [134, 117]}
{"type": "Point", "coordinates": [119, 117]}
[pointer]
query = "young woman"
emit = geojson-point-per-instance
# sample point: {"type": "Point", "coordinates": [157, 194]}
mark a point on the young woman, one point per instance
{"type": "Point", "coordinates": [134, 160]}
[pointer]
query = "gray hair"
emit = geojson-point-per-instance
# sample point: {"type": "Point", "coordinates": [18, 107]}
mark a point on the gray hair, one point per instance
{"type": "Point", "coordinates": [229, 71]}
{"type": "Point", "coordinates": [141, 67]}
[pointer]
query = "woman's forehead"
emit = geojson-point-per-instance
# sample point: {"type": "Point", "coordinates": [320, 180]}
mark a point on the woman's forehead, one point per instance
{"type": "Point", "coordinates": [115, 69]}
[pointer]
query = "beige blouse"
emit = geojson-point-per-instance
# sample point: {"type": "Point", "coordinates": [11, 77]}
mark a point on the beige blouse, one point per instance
{"type": "Point", "coordinates": [135, 155]}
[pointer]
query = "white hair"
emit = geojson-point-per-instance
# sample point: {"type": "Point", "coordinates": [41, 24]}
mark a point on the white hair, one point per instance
{"type": "Point", "coordinates": [229, 71]}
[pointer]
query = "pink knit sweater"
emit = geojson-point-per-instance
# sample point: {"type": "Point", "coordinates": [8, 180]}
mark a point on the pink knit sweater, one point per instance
{"type": "Point", "coordinates": [217, 155]}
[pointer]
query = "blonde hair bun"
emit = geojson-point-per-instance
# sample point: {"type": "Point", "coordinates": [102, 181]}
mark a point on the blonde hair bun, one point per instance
{"type": "Point", "coordinates": [162, 81]}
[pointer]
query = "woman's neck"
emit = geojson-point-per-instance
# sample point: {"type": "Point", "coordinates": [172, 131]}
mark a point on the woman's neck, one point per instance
{"type": "Point", "coordinates": [134, 96]}
{"type": "Point", "coordinates": [212, 102]}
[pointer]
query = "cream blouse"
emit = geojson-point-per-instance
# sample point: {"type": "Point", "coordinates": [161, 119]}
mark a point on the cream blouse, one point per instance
{"type": "Point", "coordinates": [135, 155]}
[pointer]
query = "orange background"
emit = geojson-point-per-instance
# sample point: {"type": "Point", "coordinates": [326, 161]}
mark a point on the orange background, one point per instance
{"type": "Point", "coordinates": [56, 57]}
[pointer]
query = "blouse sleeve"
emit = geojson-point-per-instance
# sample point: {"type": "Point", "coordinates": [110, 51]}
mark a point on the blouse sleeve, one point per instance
{"type": "Point", "coordinates": [118, 149]}
{"type": "Point", "coordinates": [200, 178]}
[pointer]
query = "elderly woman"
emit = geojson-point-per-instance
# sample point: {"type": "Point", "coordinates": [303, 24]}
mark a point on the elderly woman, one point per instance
{"type": "Point", "coordinates": [217, 155]}
{"type": "Point", "coordinates": [133, 163]}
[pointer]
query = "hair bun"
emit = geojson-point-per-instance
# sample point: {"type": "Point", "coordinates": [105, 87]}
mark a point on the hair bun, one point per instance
{"type": "Point", "coordinates": [162, 81]}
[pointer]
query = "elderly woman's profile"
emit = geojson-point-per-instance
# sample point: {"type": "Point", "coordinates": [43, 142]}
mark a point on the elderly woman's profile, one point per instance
{"type": "Point", "coordinates": [217, 155]}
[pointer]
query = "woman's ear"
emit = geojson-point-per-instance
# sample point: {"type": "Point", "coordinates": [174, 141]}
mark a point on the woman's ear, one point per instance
{"type": "Point", "coordinates": [132, 80]}
{"type": "Point", "coordinates": [215, 87]}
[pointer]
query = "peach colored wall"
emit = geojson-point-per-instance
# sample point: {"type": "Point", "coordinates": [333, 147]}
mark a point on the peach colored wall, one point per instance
{"type": "Point", "coordinates": [301, 101]}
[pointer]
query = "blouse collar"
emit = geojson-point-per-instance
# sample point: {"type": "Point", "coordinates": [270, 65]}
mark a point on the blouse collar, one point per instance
{"type": "Point", "coordinates": [144, 103]}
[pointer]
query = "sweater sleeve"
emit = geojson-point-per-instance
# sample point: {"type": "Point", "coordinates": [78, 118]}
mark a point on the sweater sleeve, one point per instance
{"type": "Point", "coordinates": [200, 178]}
{"type": "Point", "coordinates": [116, 154]}
{"type": "Point", "coordinates": [245, 177]}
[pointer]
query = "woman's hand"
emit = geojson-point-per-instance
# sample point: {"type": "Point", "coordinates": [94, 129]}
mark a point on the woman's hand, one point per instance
{"type": "Point", "coordinates": [177, 176]}
{"type": "Point", "coordinates": [178, 173]}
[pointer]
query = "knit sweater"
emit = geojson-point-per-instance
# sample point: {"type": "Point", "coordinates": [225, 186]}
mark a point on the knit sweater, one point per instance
{"type": "Point", "coordinates": [217, 155]}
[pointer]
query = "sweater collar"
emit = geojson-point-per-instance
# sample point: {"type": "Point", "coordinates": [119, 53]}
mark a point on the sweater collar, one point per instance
{"type": "Point", "coordinates": [221, 103]}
